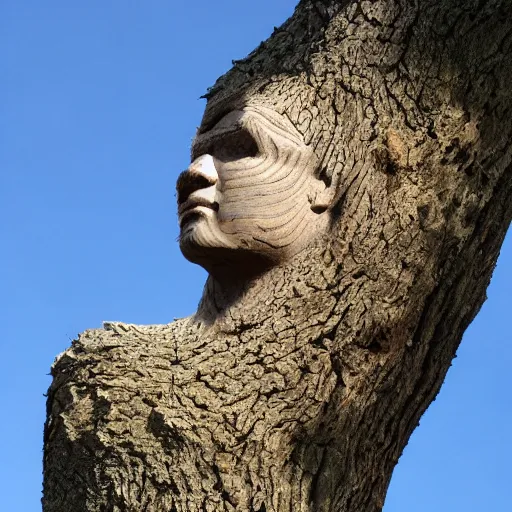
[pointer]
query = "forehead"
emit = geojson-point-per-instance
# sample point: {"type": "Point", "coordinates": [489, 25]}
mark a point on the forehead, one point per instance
{"type": "Point", "coordinates": [217, 107]}
{"type": "Point", "coordinates": [220, 105]}
{"type": "Point", "coordinates": [252, 118]}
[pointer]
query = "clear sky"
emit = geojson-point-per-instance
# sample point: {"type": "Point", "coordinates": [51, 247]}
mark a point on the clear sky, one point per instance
{"type": "Point", "coordinates": [99, 101]}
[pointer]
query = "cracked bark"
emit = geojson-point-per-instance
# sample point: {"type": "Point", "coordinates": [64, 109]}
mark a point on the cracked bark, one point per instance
{"type": "Point", "coordinates": [303, 387]}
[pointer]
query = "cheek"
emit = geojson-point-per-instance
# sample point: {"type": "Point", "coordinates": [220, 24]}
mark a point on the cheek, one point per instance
{"type": "Point", "coordinates": [268, 199]}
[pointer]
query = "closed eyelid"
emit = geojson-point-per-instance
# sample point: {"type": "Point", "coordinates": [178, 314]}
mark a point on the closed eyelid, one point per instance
{"type": "Point", "coordinates": [204, 141]}
{"type": "Point", "coordinates": [228, 122]}
{"type": "Point", "coordinates": [221, 139]}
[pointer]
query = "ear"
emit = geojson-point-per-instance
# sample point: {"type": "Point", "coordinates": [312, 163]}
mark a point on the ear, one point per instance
{"type": "Point", "coordinates": [322, 196]}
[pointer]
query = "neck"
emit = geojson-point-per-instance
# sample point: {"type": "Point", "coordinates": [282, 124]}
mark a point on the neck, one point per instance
{"type": "Point", "coordinates": [245, 299]}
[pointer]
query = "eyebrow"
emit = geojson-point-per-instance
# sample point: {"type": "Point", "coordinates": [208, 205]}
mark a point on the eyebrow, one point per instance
{"type": "Point", "coordinates": [203, 141]}
{"type": "Point", "coordinates": [220, 105]}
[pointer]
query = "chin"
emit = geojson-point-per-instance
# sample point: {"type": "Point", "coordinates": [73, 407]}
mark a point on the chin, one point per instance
{"type": "Point", "coordinates": [202, 242]}
{"type": "Point", "coordinates": [192, 239]}
{"type": "Point", "coordinates": [218, 254]}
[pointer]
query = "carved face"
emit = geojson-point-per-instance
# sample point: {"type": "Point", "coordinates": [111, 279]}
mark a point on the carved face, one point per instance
{"type": "Point", "coordinates": [251, 194]}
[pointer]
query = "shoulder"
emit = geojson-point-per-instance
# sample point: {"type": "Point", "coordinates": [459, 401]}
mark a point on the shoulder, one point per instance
{"type": "Point", "coordinates": [122, 341]}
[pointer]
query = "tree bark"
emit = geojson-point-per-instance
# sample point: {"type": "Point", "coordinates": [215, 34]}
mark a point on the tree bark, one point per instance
{"type": "Point", "coordinates": [298, 391]}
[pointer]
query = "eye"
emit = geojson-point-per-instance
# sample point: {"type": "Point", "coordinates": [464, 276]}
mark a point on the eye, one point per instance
{"type": "Point", "coordinates": [229, 139]}
{"type": "Point", "coordinates": [235, 146]}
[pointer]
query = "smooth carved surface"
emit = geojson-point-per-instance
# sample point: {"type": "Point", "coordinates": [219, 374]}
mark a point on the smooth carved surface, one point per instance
{"type": "Point", "coordinates": [252, 192]}
{"type": "Point", "coordinates": [298, 390]}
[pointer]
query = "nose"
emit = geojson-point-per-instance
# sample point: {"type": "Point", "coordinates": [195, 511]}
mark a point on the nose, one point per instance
{"type": "Point", "coordinates": [200, 174]}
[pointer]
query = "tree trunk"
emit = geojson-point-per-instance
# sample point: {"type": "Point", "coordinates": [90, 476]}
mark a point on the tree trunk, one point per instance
{"type": "Point", "coordinates": [297, 391]}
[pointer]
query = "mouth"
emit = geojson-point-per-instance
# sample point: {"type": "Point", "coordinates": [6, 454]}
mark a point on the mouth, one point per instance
{"type": "Point", "coordinates": [193, 208]}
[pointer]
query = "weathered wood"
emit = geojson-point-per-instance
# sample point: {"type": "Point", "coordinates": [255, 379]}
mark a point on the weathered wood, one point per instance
{"type": "Point", "coordinates": [298, 389]}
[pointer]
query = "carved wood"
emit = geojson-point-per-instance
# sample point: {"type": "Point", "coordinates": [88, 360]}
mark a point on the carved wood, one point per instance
{"type": "Point", "coordinates": [252, 193]}
{"type": "Point", "coordinates": [298, 382]}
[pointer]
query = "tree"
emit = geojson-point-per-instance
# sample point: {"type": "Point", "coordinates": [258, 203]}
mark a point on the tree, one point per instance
{"type": "Point", "coordinates": [297, 386]}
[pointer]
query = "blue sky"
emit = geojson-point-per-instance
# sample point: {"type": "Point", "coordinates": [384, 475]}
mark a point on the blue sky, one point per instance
{"type": "Point", "coordinates": [98, 104]}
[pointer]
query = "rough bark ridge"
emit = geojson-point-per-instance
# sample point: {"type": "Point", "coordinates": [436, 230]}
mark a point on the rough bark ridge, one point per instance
{"type": "Point", "coordinates": [298, 391]}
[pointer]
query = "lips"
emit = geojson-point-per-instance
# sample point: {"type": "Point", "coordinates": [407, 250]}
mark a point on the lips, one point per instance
{"type": "Point", "coordinates": [193, 206]}
{"type": "Point", "coordinates": [194, 203]}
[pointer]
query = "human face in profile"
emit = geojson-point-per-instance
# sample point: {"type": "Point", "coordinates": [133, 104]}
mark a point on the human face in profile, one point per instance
{"type": "Point", "coordinates": [249, 192]}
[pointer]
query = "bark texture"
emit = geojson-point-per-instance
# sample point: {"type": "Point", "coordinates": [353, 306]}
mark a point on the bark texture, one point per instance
{"type": "Point", "coordinates": [298, 391]}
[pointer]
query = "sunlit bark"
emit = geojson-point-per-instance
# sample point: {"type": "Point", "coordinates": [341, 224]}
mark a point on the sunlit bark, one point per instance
{"type": "Point", "coordinates": [299, 390]}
